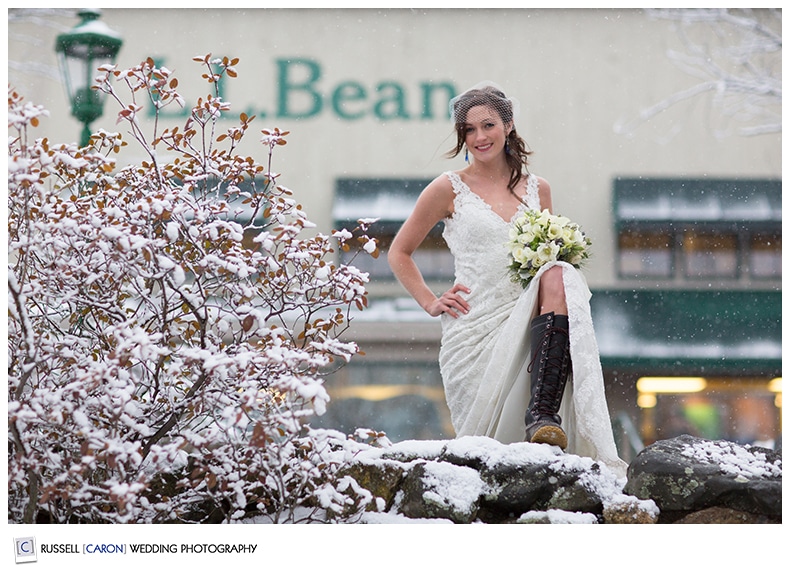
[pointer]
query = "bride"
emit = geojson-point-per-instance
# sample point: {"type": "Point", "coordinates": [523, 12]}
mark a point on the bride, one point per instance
{"type": "Point", "coordinates": [517, 364]}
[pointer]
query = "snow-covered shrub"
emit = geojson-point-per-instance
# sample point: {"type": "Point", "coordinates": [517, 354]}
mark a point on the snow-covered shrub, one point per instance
{"type": "Point", "coordinates": [169, 322]}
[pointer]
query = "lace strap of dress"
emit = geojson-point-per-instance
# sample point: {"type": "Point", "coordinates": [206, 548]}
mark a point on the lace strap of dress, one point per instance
{"type": "Point", "coordinates": [533, 198]}
{"type": "Point", "coordinates": [455, 179]}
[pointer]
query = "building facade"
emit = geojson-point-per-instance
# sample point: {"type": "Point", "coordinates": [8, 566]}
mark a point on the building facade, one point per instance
{"type": "Point", "coordinates": [684, 213]}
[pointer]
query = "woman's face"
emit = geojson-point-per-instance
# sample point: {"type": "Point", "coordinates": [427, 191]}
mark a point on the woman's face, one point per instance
{"type": "Point", "coordinates": [484, 133]}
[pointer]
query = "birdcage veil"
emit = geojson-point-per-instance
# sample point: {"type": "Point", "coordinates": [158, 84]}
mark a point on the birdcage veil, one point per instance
{"type": "Point", "coordinates": [489, 94]}
{"type": "Point", "coordinates": [484, 93]}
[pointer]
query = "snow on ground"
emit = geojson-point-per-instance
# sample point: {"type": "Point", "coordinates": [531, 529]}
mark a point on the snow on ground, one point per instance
{"type": "Point", "coordinates": [558, 516]}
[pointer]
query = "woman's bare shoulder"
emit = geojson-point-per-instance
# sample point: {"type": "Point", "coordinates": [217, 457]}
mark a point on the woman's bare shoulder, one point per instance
{"type": "Point", "coordinates": [440, 186]}
{"type": "Point", "coordinates": [437, 197]}
{"type": "Point", "coordinates": [442, 181]}
{"type": "Point", "coordinates": [542, 182]}
{"type": "Point", "coordinates": [544, 193]}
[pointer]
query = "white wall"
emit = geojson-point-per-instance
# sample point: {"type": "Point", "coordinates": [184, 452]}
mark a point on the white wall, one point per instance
{"type": "Point", "coordinates": [575, 72]}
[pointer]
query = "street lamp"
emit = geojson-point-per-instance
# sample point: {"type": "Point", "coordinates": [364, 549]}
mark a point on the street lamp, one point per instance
{"type": "Point", "coordinates": [81, 51]}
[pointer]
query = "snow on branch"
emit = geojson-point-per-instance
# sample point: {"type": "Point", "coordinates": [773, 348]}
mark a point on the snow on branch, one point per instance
{"type": "Point", "coordinates": [170, 324]}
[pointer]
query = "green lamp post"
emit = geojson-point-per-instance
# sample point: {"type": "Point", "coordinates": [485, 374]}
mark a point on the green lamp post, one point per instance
{"type": "Point", "coordinates": [81, 51]}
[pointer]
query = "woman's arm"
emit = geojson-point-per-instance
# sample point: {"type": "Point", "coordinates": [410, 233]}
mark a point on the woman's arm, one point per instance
{"type": "Point", "coordinates": [434, 204]}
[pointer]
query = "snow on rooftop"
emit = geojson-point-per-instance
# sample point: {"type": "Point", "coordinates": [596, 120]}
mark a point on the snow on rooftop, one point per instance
{"type": "Point", "coordinates": [385, 206]}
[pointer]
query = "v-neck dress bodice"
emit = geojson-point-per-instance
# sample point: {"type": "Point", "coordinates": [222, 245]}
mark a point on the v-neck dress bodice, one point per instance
{"type": "Point", "coordinates": [484, 354]}
{"type": "Point", "coordinates": [476, 236]}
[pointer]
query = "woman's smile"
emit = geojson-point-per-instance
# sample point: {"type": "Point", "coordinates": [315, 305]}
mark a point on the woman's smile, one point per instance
{"type": "Point", "coordinates": [485, 131]}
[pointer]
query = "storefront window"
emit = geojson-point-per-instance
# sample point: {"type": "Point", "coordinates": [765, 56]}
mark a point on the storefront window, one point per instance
{"type": "Point", "coordinates": [648, 254]}
{"type": "Point", "coordinates": [405, 400]}
{"type": "Point", "coordinates": [390, 201]}
{"type": "Point", "coordinates": [432, 257]}
{"type": "Point", "coordinates": [689, 229]}
{"type": "Point", "coordinates": [710, 254]}
{"type": "Point", "coordinates": [746, 411]}
{"type": "Point", "coordinates": [766, 256]}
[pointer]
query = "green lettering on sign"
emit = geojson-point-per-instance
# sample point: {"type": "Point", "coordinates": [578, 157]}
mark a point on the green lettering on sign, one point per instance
{"type": "Point", "coordinates": [428, 90]}
{"type": "Point", "coordinates": [348, 92]}
{"type": "Point", "coordinates": [392, 106]}
{"type": "Point", "coordinates": [300, 96]}
{"type": "Point", "coordinates": [288, 87]}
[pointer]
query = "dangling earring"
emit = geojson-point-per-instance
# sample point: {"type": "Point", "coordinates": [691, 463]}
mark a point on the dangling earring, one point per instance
{"type": "Point", "coordinates": [507, 149]}
{"type": "Point", "coordinates": [466, 156]}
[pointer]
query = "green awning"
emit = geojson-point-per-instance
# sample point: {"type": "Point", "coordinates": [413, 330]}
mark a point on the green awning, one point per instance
{"type": "Point", "coordinates": [690, 332]}
{"type": "Point", "coordinates": [702, 201]}
{"type": "Point", "coordinates": [389, 200]}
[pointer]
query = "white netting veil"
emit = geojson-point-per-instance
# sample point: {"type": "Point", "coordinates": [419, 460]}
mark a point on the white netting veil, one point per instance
{"type": "Point", "coordinates": [489, 95]}
{"type": "Point", "coordinates": [484, 93]}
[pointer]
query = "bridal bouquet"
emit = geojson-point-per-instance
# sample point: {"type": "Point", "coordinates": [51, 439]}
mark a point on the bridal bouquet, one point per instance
{"type": "Point", "coordinates": [537, 238]}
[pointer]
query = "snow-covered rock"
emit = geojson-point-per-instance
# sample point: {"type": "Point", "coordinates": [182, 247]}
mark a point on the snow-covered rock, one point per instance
{"type": "Point", "coordinates": [479, 480]}
{"type": "Point", "coordinates": [688, 474]}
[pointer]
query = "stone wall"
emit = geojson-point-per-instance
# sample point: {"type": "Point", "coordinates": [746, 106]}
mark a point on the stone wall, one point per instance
{"type": "Point", "coordinates": [476, 479]}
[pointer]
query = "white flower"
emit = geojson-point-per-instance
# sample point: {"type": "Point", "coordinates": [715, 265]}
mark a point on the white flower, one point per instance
{"type": "Point", "coordinates": [547, 252]}
{"type": "Point", "coordinates": [543, 218]}
{"type": "Point", "coordinates": [519, 255]}
{"type": "Point", "coordinates": [558, 237]}
{"type": "Point", "coordinates": [527, 236]}
{"type": "Point", "coordinates": [563, 221]}
{"type": "Point", "coordinates": [554, 231]}
{"type": "Point", "coordinates": [531, 256]}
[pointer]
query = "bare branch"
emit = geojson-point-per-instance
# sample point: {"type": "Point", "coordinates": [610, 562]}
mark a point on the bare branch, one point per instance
{"type": "Point", "coordinates": [736, 55]}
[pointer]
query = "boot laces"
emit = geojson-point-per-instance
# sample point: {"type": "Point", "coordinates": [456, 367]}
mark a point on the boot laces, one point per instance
{"type": "Point", "coordinates": [556, 361]}
{"type": "Point", "coordinates": [553, 365]}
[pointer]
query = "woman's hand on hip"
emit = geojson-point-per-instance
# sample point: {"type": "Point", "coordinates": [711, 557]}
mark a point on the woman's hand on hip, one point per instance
{"type": "Point", "coordinates": [452, 302]}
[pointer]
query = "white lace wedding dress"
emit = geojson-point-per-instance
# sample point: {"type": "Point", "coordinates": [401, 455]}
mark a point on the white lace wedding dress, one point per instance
{"type": "Point", "coordinates": [484, 354]}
